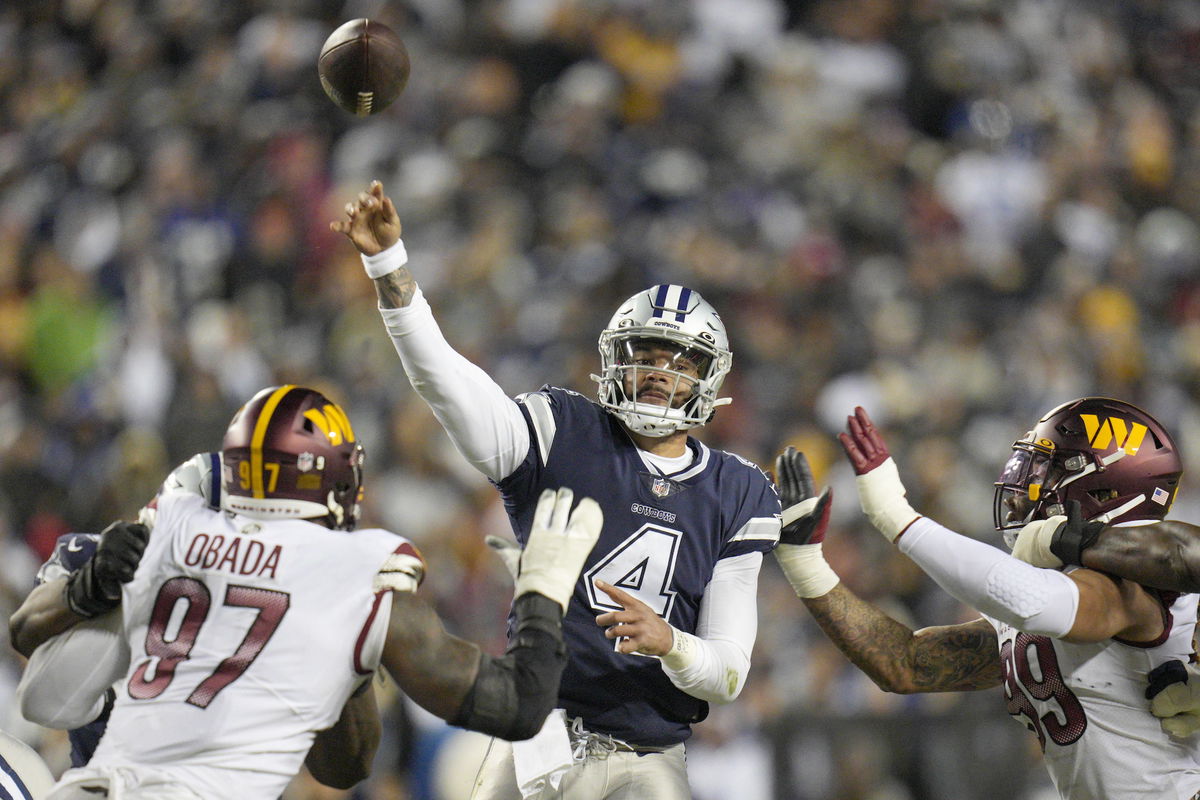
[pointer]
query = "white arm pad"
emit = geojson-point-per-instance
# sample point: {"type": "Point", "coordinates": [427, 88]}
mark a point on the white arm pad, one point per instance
{"type": "Point", "coordinates": [485, 424]}
{"type": "Point", "coordinates": [712, 665]}
{"type": "Point", "coordinates": [1032, 600]}
{"type": "Point", "coordinates": [883, 499]}
{"type": "Point", "coordinates": [67, 675]}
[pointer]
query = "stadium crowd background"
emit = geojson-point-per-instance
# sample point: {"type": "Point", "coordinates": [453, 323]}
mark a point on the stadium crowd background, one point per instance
{"type": "Point", "coordinates": [958, 213]}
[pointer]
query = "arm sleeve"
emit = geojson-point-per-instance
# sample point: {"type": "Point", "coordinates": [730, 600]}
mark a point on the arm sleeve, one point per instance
{"type": "Point", "coordinates": [484, 423]}
{"type": "Point", "coordinates": [66, 677]}
{"type": "Point", "coordinates": [712, 665]}
{"type": "Point", "coordinates": [1041, 601]}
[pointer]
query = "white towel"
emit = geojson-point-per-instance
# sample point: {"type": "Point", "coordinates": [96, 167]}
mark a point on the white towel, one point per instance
{"type": "Point", "coordinates": [543, 760]}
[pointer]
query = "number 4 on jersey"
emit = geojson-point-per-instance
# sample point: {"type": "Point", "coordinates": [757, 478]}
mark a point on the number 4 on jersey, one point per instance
{"type": "Point", "coordinates": [643, 565]}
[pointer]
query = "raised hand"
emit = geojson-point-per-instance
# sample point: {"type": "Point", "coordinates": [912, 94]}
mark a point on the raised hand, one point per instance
{"type": "Point", "coordinates": [508, 551]}
{"type": "Point", "coordinates": [863, 443]}
{"type": "Point", "coordinates": [880, 491]}
{"type": "Point", "coordinates": [559, 542]}
{"type": "Point", "coordinates": [371, 222]}
{"type": "Point", "coordinates": [95, 587]}
{"type": "Point", "coordinates": [805, 516]}
{"type": "Point", "coordinates": [636, 627]}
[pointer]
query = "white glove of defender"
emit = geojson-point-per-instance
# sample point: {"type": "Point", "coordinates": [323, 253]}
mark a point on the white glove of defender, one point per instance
{"type": "Point", "coordinates": [1178, 705]}
{"type": "Point", "coordinates": [1033, 543]}
{"type": "Point", "coordinates": [509, 552]}
{"type": "Point", "coordinates": [559, 542]}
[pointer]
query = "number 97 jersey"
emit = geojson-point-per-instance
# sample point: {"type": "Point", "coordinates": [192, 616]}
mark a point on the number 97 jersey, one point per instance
{"type": "Point", "coordinates": [1087, 705]}
{"type": "Point", "coordinates": [245, 637]}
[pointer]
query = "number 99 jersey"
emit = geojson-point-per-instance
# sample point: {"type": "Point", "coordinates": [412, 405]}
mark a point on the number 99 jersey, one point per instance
{"type": "Point", "coordinates": [663, 535]}
{"type": "Point", "coordinates": [1087, 705]}
{"type": "Point", "coordinates": [246, 637]}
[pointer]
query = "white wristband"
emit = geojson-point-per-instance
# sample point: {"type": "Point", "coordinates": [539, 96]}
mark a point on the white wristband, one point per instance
{"type": "Point", "coordinates": [685, 648]}
{"type": "Point", "coordinates": [385, 261]}
{"type": "Point", "coordinates": [882, 497]}
{"type": "Point", "coordinates": [806, 570]}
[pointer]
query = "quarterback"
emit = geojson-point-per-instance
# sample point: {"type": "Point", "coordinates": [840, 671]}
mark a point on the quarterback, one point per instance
{"type": "Point", "coordinates": [1075, 651]}
{"type": "Point", "coordinates": [663, 619]}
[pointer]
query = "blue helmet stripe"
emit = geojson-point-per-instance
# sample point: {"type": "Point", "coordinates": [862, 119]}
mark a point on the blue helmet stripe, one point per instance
{"type": "Point", "coordinates": [214, 488]}
{"type": "Point", "coordinates": [685, 294]}
{"type": "Point", "coordinates": [660, 300]}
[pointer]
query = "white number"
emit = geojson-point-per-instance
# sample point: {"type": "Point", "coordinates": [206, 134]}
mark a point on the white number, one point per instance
{"type": "Point", "coordinates": [642, 565]}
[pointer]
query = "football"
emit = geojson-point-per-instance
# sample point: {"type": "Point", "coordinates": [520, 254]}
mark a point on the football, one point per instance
{"type": "Point", "coordinates": [363, 66]}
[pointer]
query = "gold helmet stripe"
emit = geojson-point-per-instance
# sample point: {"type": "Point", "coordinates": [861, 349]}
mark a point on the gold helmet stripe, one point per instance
{"type": "Point", "coordinates": [260, 433]}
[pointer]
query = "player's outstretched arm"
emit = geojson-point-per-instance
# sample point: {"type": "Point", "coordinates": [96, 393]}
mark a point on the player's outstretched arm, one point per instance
{"type": "Point", "coordinates": [942, 659]}
{"type": "Point", "coordinates": [341, 756]}
{"type": "Point", "coordinates": [1084, 606]}
{"type": "Point", "coordinates": [1165, 555]}
{"type": "Point", "coordinates": [43, 614]}
{"type": "Point", "coordinates": [91, 590]}
{"type": "Point", "coordinates": [947, 658]}
{"type": "Point", "coordinates": [509, 696]}
{"type": "Point", "coordinates": [484, 423]}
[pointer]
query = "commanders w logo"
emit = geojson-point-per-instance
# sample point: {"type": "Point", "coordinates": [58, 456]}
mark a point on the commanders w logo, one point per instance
{"type": "Point", "coordinates": [333, 422]}
{"type": "Point", "coordinates": [1113, 431]}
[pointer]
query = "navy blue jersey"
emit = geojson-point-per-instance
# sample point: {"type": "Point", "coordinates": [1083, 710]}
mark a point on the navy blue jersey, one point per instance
{"type": "Point", "coordinates": [71, 551]}
{"type": "Point", "coordinates": [662, 537]}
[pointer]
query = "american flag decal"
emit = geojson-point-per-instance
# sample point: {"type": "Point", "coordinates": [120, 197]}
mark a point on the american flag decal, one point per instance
{"type": "Point", "coordinates": [1160, 496]}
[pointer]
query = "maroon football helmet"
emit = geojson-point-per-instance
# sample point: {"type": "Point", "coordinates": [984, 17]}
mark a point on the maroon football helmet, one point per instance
{"type": "Point", "coordinates": [1112, 457]}
{"type": "Point", "coordinates": [290, 453]}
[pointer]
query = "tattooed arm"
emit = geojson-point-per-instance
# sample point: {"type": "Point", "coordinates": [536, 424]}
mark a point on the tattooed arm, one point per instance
{"type": "Point", "coordinates": [396, 289]}
{"type": "Point", "coordinates": [939, 659]}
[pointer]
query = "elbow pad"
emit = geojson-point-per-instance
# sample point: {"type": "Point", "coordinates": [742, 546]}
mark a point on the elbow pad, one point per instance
{"type": "Point", "coordinates": [1036, 601]}
{"type": "Point", "coordinates": [512, 695]}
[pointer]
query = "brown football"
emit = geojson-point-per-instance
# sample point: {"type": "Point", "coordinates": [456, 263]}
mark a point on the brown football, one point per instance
{"type": "Point", "coordinates": [363, 66]}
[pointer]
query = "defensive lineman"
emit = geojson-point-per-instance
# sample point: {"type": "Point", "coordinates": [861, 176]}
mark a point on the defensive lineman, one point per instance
{"type": "Point", "coordinates": [1074, 651]}
{"type": "Point", "coordinates": [246, 630]}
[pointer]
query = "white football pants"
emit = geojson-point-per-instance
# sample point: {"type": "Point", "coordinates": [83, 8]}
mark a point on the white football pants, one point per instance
{"type": "Point", "coordinates": [608, 776]}
{"type": "Point", "coordinates": [119, 783]}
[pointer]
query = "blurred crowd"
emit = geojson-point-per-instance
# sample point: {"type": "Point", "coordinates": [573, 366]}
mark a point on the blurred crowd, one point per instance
{"type": "Point", "coordinates": [956, 213]}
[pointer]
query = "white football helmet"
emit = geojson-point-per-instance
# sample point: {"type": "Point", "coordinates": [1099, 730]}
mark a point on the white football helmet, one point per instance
{"type": "Point", "coordinates": [679, 320]}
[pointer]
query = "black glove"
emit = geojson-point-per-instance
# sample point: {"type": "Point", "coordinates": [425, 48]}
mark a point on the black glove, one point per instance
{"type": "Point", "coordinates": [793, 476]}
{"type": "Point", "coordinates": [95, 587]}
{"type": "Point", "coordinates": [1075, 535]}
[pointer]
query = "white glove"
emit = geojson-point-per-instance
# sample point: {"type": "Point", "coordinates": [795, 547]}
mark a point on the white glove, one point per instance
{"type": "Point", "coordinates": [402, 572]}
{"type": "Point", "coordinates": [1178, 705]}
{"type": "Point", "coordinates": [559, 542]}
{"type": "Point", "coordinates": [509, 552]}
{"type": "Point", "coordinates": [1033, 543]}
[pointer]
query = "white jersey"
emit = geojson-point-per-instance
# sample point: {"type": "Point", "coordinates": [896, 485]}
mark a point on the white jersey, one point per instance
{"type": "Point", "coordinates": [1088, 707]}
{"type": "Point", "coordinates": [246, 638]}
